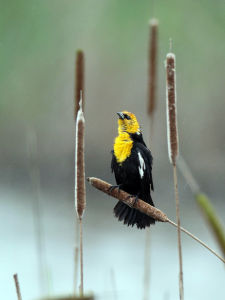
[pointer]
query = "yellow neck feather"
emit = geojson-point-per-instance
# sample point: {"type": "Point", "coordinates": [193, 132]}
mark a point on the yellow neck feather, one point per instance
{"type": "Point", "coordinates": [122, 146]}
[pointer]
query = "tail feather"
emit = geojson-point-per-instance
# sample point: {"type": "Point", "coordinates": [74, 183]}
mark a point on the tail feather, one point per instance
{"type": "Point", "coordinates": [131, 216]}
{"type": "Point", "coordinates": [122, 213]}
{"type": "Point", "coordinates": [132, 220]}
{"type": "Point", "coordinates": [128, 217]}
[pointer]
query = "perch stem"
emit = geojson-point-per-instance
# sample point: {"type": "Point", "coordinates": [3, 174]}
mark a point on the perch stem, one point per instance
{"type": "Point", "coordinates": [144, 207]}
{"type": "Point", "coordinates": [197, 240]}
{"type": "Point", "coordinates": [15, 276]}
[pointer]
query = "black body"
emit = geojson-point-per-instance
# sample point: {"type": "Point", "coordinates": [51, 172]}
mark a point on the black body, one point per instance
{"type": "Point", "coordinates": [128, 177]}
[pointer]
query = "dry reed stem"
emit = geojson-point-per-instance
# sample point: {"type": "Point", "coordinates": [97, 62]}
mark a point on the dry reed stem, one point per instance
{"type": "Point", "coordinates": [79, 86]}
{"type": "Point", "coordinates": [205, 204]}
{"type": "Point", "coordinates": [152, 76]}
{"type": "Point", "coordinates": [34, 173]}
{"type": "Point", "coordinates": [81, 261]}
{"type": "Point", "coordinates": [19, 297]}
{"type": "Point", "coordinates": [172, 133]}
{"type": "Point", "coordinates": [80, 191]}
{"type": "Point", "coordinates": [142, 206]}
{"type": "Point", "coordinates": [198, 240]}
{"type": "Point", "coordinates": [147, 265]}
{"type": "Point", "coordinates": [152, 84]}
{"type": "Point", "coordinates": [76, 257]}
{"type": "Point", "coordinates": [113, 282]}
{"type": "Point", "coordinates": [181, 286]}
{"type": "Point", "coordinates": [188, 176]}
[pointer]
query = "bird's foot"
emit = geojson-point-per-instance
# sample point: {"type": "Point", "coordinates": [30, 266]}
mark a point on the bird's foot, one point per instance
{"type": "Point", "coordinates": [113, 187]}
{"type": "Point", "coordinates": [135, 201]}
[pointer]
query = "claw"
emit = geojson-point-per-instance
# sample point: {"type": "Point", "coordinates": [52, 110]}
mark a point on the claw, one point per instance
{"type": "Point", "coordinates": [135, 200]}
{"type": "Point", "coordinates": [113, 187]}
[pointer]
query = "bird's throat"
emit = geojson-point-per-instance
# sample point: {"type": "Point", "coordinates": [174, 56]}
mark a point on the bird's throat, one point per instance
{"type": "Point", "coordinates": [122, 147]}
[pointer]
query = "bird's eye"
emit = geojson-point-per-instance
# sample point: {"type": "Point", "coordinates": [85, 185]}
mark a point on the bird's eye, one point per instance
{"type": "Point", "coordinates": [127, 117]}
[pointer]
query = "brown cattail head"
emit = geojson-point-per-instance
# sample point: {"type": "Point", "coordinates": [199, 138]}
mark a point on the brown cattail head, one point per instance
{"type": "Point", "coordinates": [79, 81]}
{"type": "Point", "coordinates": [172, 132]}
{"type": "Point", "coordinates": [80, 192]}
{"type": "Point", "coordinates": [152, 76]}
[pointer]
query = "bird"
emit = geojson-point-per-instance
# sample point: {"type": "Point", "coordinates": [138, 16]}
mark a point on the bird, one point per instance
{"type": "Point", "coordinates": [132, 166]}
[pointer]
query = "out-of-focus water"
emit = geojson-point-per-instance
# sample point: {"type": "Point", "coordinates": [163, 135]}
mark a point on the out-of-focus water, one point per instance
{"type": "Point", "coordinates": [113, 253]}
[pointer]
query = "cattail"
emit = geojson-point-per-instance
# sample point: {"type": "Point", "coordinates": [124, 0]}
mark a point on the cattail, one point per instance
{"type": "Point", "coordinates": [152, 78]}
{"type": "Point", "coordinates": [80, 193]}
{"type": "Point", "coordinates": [172, 136]}
{"type": "Point", "coordinates": [19, 297]}
{"type": "Point", "coordinates": [123, 196]}
{"type": "Point", "coordinates": [172, 133]}
{"type": "Point", "coordinates": [143, 207]}
{"type": "Point", "coordinates": [152, 83]}
{"type": "Point", "coordinates": [79, 81]}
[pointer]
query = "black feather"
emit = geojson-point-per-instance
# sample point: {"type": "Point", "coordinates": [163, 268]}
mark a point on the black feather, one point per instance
{"type": "Point", "coordinates": [128, 175]}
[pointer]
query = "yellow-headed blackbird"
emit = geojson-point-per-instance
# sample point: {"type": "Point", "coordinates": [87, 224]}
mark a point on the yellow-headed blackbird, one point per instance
{"type": "Point", "coordinates": [132, 166]}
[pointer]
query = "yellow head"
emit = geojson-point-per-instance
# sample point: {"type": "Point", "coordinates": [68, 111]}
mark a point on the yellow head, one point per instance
{"type": "Point", "coordinates": [127, 123]}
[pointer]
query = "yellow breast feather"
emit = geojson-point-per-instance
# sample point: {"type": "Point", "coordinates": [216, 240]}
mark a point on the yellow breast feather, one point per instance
{"type": "Point", "coordinates": [122, 147]}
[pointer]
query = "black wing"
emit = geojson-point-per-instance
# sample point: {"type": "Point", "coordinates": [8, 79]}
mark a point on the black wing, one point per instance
{"type": "Point", "coordinates": [148, 159]}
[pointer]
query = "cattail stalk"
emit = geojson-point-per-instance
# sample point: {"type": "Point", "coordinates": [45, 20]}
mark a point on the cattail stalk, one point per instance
{"type": "Point", "coordinates": [172, 135]}
{"type": "Point", "coordinates": [143, 207]}
{"type": "Point", "coordinates": [34, 173]}
{"type": "Point", "coordinates": [152, 83]}
{"type": "Point", "coordinates": [181, 287]}
{"type": "Point", "coordinates": [79, 86]}
{"type": "Point", "coordinates": [113, 282]}
{"type": "Point", "coordinates": [147, 265]}
{"type": "Point", "coordinates": [17, 285]}
{"type": "Point", "coordinates": [188, 176]}
{"type": "Point", "coordinates": [76, 257]}
{"type": "Point", "coordinates": [80, 191]}
{"type": "Point", "coordinates": [81, 260]}
{"type": "Point", "coordinates": [152, 78]}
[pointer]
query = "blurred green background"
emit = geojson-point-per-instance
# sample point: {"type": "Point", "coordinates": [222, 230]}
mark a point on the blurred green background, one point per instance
{"type": "Point", "coordinates": [38, 43]}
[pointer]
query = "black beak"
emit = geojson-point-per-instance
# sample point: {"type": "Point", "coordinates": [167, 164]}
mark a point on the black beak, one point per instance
{"type": "Point", "coordinates": [121, 115]}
